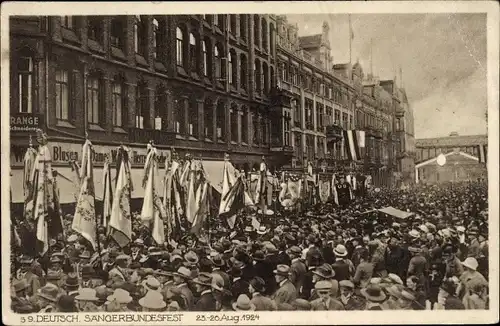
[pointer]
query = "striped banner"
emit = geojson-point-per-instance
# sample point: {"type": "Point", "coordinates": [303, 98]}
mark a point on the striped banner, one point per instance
{"type": "Point", "coordinates": [483, 154]}
{"type": "Point", "coordinates": [352, 144]}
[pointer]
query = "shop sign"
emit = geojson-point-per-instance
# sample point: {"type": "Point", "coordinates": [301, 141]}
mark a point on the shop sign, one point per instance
{"type": "Point", "coordinates": [63, 153]}
{"type": "Point", "coordinates": [25, 122]}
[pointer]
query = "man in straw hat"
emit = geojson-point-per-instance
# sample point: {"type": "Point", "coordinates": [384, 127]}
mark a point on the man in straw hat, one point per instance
{"type": "Point", "coordinates": [87, 300]}
{"type": "Point", "coordinates": [286, 292]}
{"type": "Point", "coordinates": [243, 303]}
{"type": "Point", "coordinates": [469, 278]}
{"type": "Point", "coordinates": [341, 267]}
{"type": "Point", "coordinates": [152, 301]}
{"type": "Point", "coordinates": [181, 277]}
{"type": "Point", "coordinates": [118, 274]}
{"type": "Point", "coordinates": [325, 300]}
{"type": "Point", "coordinates": [118, 301]}
{"type": "Point", "coordinates": [203, 284]}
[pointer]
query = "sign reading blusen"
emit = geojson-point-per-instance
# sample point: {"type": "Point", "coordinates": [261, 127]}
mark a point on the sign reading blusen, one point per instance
{"type": "Point", "coordinates": [62, 153]}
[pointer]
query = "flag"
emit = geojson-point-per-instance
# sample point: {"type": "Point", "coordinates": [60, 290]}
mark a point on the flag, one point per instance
{"type": "Point", "coordinates": [191, 204]}
{"type": "Point", "coordinates": [203, 195]}
{"type": "Point", "coordinates": [172, 200]}
{"type": "Point", "coordinates": [107, 197]}
{"type": "Point", "coordinates": [324, 187]}
{"type": "Point", "coordinates": [84, 220]}
{"type": "Point", "coordinates": [483, 153]}
{"type": "Point", "coordinates": [152, 212]}
{"type": "Point", "coordinates": [28, 167]}
{"type": "Point", "coordinates": [290, 192]}
{"type": "Point", "coordinates": [361, 138]}
{"type": "Point", "coordinates": [120, 222]}
{"type": "Point", "coordinates": [352, 145]}
{"type": "Point", "coordinates": [335, 194]}
{"type": "Point", "coordinates": [226, 201]}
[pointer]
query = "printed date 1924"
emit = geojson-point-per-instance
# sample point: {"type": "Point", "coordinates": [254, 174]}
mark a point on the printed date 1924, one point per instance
{"type": "Point", "coordinates": [223, 317]}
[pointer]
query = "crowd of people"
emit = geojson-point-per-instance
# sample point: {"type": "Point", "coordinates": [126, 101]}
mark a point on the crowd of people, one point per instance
{"type": "Point", "coordinates": [322, 258]}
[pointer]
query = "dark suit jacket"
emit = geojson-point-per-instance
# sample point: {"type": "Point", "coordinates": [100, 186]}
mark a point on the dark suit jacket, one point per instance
{"type": "Point", "coordinates": [297, 274]}
{"type": "Point", "coordinates": [355, 303]}
{"type": "Point", "coordinates": [394, 261]}
{"type": "Point", "coordinates": [225, 277]}
{"type": "Point", "coordinates": [248, 273]}
{"type": "Point", "coordinates": [328, 254]}
{"type": "Point", "coordinates": [263, 303]}
{"type": "Point", "coordinates": [307, 286]}
{"type": "Point", "coordinates": [285, 294]}
{"type": "Point", "coordinates": [264, 269]}
{"type": "Point", "coordinates": [334, 304]}
{"type": "Point", "coordinates": [205, 303]}
{"type": "Point", "coordinates": [239, 287]}
{"type": "Point", "coordinates": [341, 269]}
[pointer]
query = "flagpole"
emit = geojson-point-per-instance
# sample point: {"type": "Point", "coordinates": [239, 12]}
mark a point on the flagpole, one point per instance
{"type": "Point", "coordinates": [350, 40]}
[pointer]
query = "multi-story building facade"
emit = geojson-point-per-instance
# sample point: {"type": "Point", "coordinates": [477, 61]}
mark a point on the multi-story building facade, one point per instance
{"type": "Point", "coordinates": [197, 83]}
{"type": "Point", "coordinates": [461, 159]}
{"type": "Point", "coordinates": [404, 126]}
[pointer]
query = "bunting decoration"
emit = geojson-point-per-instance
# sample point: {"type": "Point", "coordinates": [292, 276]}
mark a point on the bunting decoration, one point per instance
{"type": "Point", "coordinates": [324, 188]}
{"type": "Point", "coordinates": [84, 221]}
{"type": "Point", "coordinates": [354, 139]}
{"type": "Point", "coordinates": [120, 223]}
{"type": "Point", "coordinates": [107, 197]}
{"type": "Point", "coordinates": [152, 212]}
{"type": "Point", "coordinates": [28, 166]}
{"type": "Point", "coordinates": [335, 194]}
{"type": "Point", "coordinates": [290, 191]}
{"type": "Point", "coordinates": [202, 199]}
{"type": "Point", "coordinates": [172, 199]}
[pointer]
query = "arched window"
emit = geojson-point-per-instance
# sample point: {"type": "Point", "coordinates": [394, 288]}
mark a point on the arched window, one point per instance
{"type": "Point", "coordinates": [264, 34]}
{"type": "Point", "coordinates": [193, 45]}
{"type": "Point", "coordinates": [243, 71]}
{"type": "Point", "coordinates": [219, 71]}
{"type": "Point", "coordinates": [179, 45]}
{"type": "Point", "coordinates": [207, 64]}
{"type": "Point", "coordinates": [243, 27]}
{"type": "Point", "coordinates": [233, 68]}
{"type": "Point", "coordinates": [265, 78]}
{"type": "Point", "coordinates": [256, 34]}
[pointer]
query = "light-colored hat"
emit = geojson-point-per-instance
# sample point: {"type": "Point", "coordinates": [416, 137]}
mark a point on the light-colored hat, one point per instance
{"type": "Point", "coordinates": [414, 233]}
{"type": "Point", "coordinates": [243, 303]}
{"type": "Point", "coordinates": [395, 278]}
{"type": "Point", "coordinates": [121, 296]}
{"type": "Point", "coordinates": [153, 300]}
{"type": "Point", "coordinates": [183, 272]}
{"type": "Point", "coordinates": [283, 270]}
{"type": "Point", "coordinates": [346, 284]}
{"type": "Point", "coordinates": [122, 257]}
{"type": "Point", "coordinates": [424, 228]}
{"type": "Point", "coordinates": [404, 294]}
{"type": "Point", "coordinates": [471, 263]}
{"type": "Point", "coordinates": [204, 279]}
{"type": "Point", "coordinates": [191, 258]}
{"type": "Point", "coordinates": [340, 251]}
{"type": "Point", "coordinates": [460, 228]}
{"type": "Point", "coordinates": [374, 293]}
{"type": "Point", "coordinates": [87, 294]}
{"type": "Point", "coordinates": [323, 285]}
{"type": "Point", "coordinates": [262, 230]}
{"type": "Point", "coordinates": [151, 283]}
{"type": "Point", "coordinates": [72, 238]}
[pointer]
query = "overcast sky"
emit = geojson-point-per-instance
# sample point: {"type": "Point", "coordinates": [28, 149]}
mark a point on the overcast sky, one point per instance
{"type": "Point", "coordinates": [442, 56]}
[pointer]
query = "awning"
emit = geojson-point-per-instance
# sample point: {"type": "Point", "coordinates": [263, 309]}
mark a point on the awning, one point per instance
{"type": "Point", "coordinates": [395, 212]}
{"type": "Point", "coordinates": [69, 189]}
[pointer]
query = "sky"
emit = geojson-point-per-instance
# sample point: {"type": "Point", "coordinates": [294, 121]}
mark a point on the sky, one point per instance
{"type": "Point", "coordinates": [442, 58]}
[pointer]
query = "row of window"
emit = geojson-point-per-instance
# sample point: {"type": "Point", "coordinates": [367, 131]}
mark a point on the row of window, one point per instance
{"type": "Point", "coordinates": [364, 119]}
{"type": "Point", "coordinates": [428, 153]}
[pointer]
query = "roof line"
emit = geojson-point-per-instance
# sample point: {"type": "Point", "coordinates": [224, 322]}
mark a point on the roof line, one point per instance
{"type": "Point", "coordinates": [419, 165]}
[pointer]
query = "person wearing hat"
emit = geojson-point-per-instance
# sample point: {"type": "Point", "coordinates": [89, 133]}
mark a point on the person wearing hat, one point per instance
{"type": "Point", "coordinates": [282, 256]}
{"type": "Point", "coordinates": [286, 292]}
{"type": "Point", "coordinates": [203, 284]}
{"type": "Point", "coordinates": [152, 302]}
{"type": "Point", "coordinates": [88, 277]}
{"type": "Point", "coordinates": [453, 265]}
{"type": "Point", "coordinates": [298, 269]}
{"type": "Point", "coordinates": [393, 293]}
{"type": "Point", "coordinates": [218, 266]}
{"type": "Point", "coordinates": [257, 288]}
{"type": "Point", "coordinates": [137, 248]}
{"type": "Point", "coordinates": [325, 301]}
{"type": "Point", "coordinates": [181, 277]}
{"type": "Point", "coordinates": [473, 248]}
{"type": "Point", "coordinates": [47, 297]}
{"type": "Point", "coordinates": [407, 300]}
{"type": "Point", "coordinates": [118, 301]}
{"type": "Point", "coordinates": [327, 251]}
{"type": "Point", "coordinates": [238, 284]}
{"type": "Point", "coordinates": [263, 268]}
{"type": "Point", "coordinates": [447, 299]}
{"type": "Point", "coordinates": [25, 272]}
{"type": "Point", "coordinates": [243, 303]}
{"type": "Point", "coordinates": [118, 274]}
{"type": "Point", "coordinates": [348, 298]}
{"type": "Point", "coordinates": [341, 267]}
{"type": "Point", "coordinates": [394, 257]}
{"type": "Point", "coordinates": [71, 284]}
{"type": "Point", "coordinates": [364, 271]}
{"type": "Point", "coordinates": [374, 297]}
{"type": "Point", "coordinates": [66, 303]}
{"type": "Point", "coordinates": [87, 300]}
{"type": "Point", "coordinates": [469, 278]}
{"type": "Point", "coordinates": [20, 302]}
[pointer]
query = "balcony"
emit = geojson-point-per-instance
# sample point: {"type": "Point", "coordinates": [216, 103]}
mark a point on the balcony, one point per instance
{"type": "Point", "coordinates": [160, 137]}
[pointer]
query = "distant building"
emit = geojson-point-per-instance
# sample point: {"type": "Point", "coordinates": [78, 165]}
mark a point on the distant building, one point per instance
{"type": "Point", "coordinates": [461, 163]}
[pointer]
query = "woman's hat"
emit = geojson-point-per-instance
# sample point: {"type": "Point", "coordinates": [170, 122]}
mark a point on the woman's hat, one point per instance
{"type": "Point", "coordinates": [258, 284]}
{"type": "Point", "coordinates": [87, 294]}
{"type": "Point", "coordinates": [204, 279]}
{"type": "Point", "coordinates": [340, 251]}
{"type": "Point", "coordinates": [71, 280]}
{"type": "Point", "coordinates": [283, 270]}
{"type": "Point", "coordinates": [49, 292]}
{"type": "Point", "coordinates": [373, 293]}
{"type": "Point", "coordinates": [183, 272]}
{"type": "Point", "coordinates": [243, 303]}
{"type": "Point", "coordinates": [121, 296]}
{"type": "Point", "coordinates": [153, 300]}
{"type": "Point", "coordinates": [471, 263]}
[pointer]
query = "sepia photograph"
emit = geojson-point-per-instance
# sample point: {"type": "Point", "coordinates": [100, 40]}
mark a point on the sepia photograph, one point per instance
{"type": "Point", "coordinates": [248, 160]}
